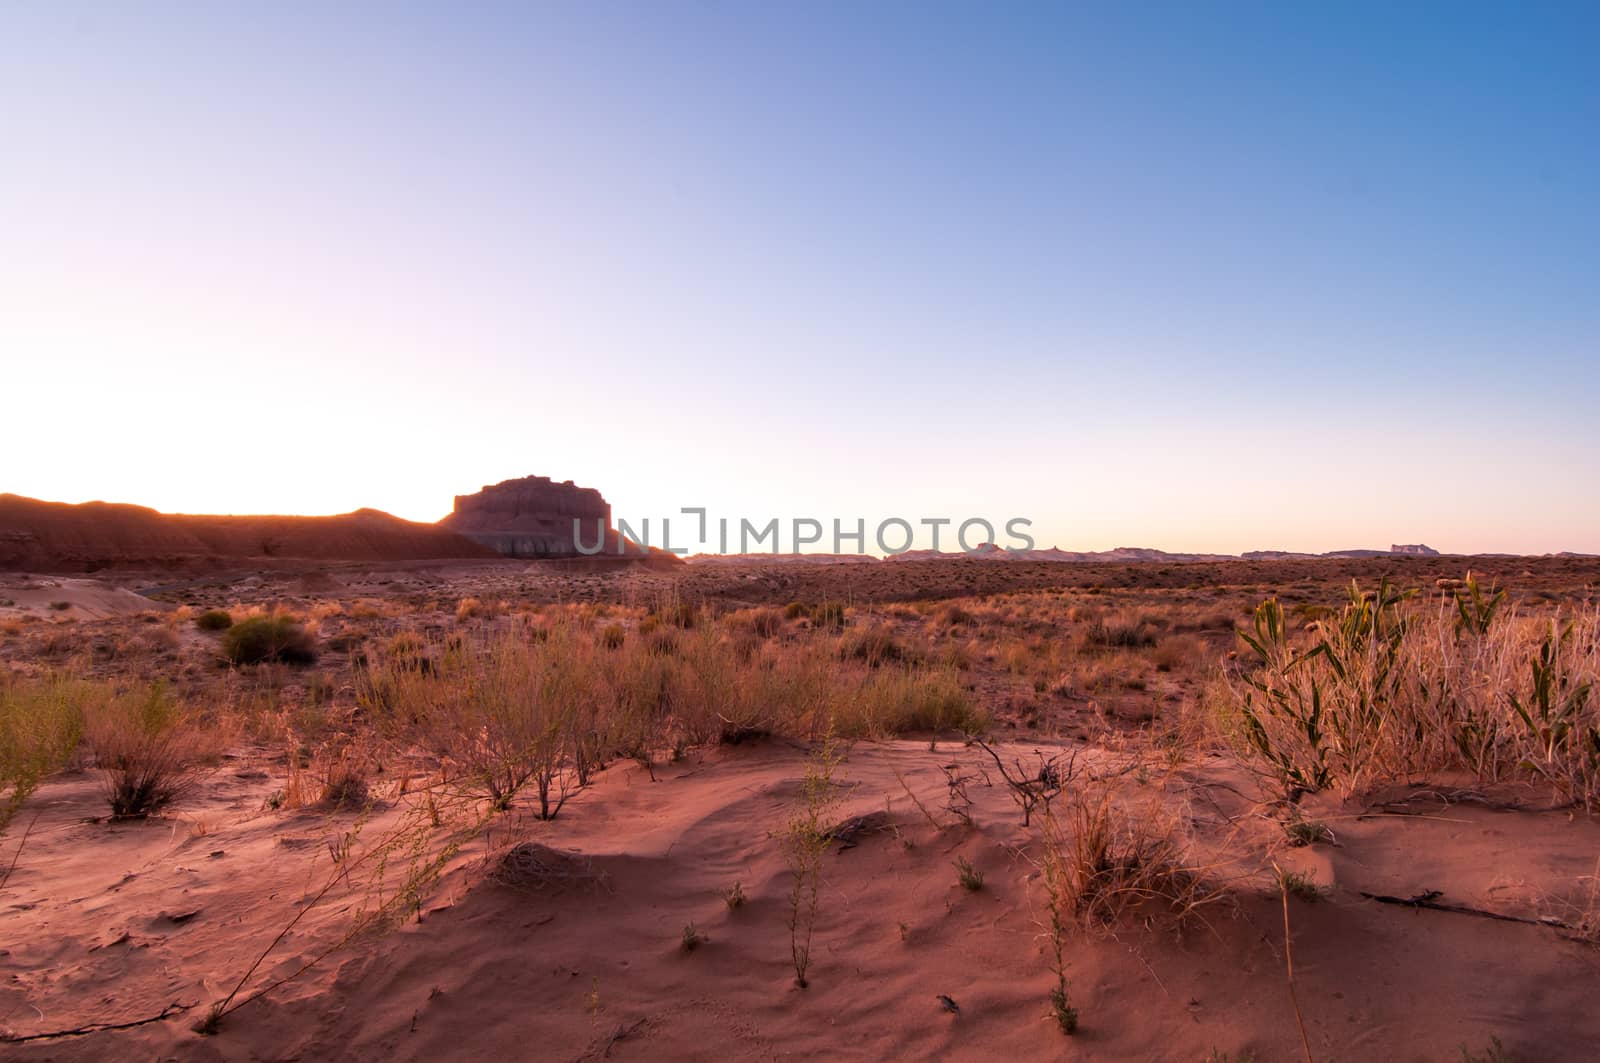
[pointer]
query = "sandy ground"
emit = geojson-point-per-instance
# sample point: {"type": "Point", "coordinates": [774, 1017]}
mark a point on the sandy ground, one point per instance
{"type": "Point", "coordinates": [112, 922]}
{"type": "Point", "coordinates": [63, 597]}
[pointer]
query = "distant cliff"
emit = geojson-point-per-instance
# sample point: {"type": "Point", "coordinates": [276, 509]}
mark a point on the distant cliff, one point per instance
{"type": "Point", "coordinates": [58, 537]}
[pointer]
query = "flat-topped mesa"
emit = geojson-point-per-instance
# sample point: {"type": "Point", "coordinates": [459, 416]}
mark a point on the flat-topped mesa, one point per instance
{"type": "Point", "coordinates": [536, 517]}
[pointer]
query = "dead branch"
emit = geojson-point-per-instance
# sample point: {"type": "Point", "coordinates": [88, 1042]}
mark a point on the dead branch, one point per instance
{"type": "Point", "coordinates": [98, 1027]}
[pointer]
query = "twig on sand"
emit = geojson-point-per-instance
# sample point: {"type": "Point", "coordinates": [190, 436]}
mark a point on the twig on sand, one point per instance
{"type": "Point", "coordinates": [98, 1027]}
{"type": "Point", "coordinates": [620, 1033]}
{"type": "Point", "coordinates": [1288, 962]}
{"type": "Point", "coordinates": [18, 852]}
{"type": "Point", "coordinates": [1430, 899]}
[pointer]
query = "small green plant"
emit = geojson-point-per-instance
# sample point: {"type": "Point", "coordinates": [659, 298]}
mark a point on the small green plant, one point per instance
{"type": "Point", "coordinates": [214, 620]}
{"type": "Point", "coordinates": [1058, 892]}
{"type": "Point", "coordinates": [60, 607]}
{"type": "Point", "coordinates": [733, 896]}
{"type": "Point", "coordinates": [692, 938]}
{"type": "Point", "coordinates": [264, 639]}
{"type": "Point", "coordinates": [805, 843]}
{"type": "Point", "coordinates": [1306, 831]}
{"type": "Point", "coordinates": [1065, 1014]}
{"type": "Point", "coordinates": [971, 878]}
{"type": "Point", "coordinates": [1299, 884]}
{"type": "Point", "coordinates": [1495, 1053]}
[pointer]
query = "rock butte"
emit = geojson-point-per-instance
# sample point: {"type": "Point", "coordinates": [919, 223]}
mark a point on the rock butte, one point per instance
{"type": "Point", "coordinates": [535, 517]}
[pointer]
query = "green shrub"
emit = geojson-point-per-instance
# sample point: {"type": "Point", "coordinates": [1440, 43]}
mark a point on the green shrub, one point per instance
{"type": "Point", "coordinates": [262, 639]}
{"type": "Point", "coordinates": [214, 620]}
{"type": "Point", "coordinates": [40, 724]}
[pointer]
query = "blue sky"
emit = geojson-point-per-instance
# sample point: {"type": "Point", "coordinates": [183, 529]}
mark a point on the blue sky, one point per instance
{"type": "Point", "coordinates": [1208, 277]}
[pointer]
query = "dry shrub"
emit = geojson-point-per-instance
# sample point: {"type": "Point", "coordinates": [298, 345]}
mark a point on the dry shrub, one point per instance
{"type": "Point", "coordinates": [876, 645]}
{"type": "Point", "coordinates": [536, 867]}
{"type": "Point", "coordinates": [1105, 862]}
{"type": "Point", "coordinates": [1177, 653]}
{"type": "Point", "coordinates": [344, 778]}
{"type": "Point", "coordinates": [893, 701]}
{"type": "Point", "coordinates": [149, 746]}
{"type": "Point", "coordinates": [952, 615]}
{"type": "Point", "coordinates": [505, 712]}
{"type": "Point", "coordinates": [766, 622]}
{"type": "Point", "coordinates": [1121, 631]}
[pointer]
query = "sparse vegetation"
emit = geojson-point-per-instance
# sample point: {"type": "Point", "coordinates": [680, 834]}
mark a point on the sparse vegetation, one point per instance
{"type": "Point", "coordinates": [1494, 1053]}
{"type": "Point", "coordinates": [503, 716]}
{"type": "Point", "coordinates": [805, 843]}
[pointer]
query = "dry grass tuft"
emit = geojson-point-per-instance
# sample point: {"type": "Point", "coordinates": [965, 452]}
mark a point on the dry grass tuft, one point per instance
{"type": "Point", "coordinates": [536, 867]}
{"type": "Point", "coordinates": [1106, 862]}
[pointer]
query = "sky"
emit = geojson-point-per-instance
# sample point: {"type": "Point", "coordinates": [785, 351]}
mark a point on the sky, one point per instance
{"type": "Point", "coordinates": [1203, 277]}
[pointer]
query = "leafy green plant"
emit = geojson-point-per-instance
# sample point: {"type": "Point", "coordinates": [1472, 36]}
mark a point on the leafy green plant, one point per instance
{"type": "Point", "coordinates": [1317, 715]}
{"type": "Point", "coordinates": [1476, 611]}
{"type": "Point", "coordinates": [971, 878]}
{"type": "Point", "coordinates": [1565, 735]}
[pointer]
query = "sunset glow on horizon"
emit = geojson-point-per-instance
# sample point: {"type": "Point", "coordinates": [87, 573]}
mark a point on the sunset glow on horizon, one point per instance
{"type": "Point", "coordinates": [1258, 277]}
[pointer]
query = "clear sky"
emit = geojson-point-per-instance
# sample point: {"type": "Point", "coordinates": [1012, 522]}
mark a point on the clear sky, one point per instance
{"type": "Point", "coordinates": [1196, 276]}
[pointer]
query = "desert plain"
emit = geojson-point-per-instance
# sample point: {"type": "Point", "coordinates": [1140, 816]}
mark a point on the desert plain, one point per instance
{"type": "Point", "coordinates": [941, 808]}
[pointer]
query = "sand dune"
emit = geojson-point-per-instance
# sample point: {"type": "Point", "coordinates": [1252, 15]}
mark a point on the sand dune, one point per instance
{"type": "Point", "coordinates": [109, 923]}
